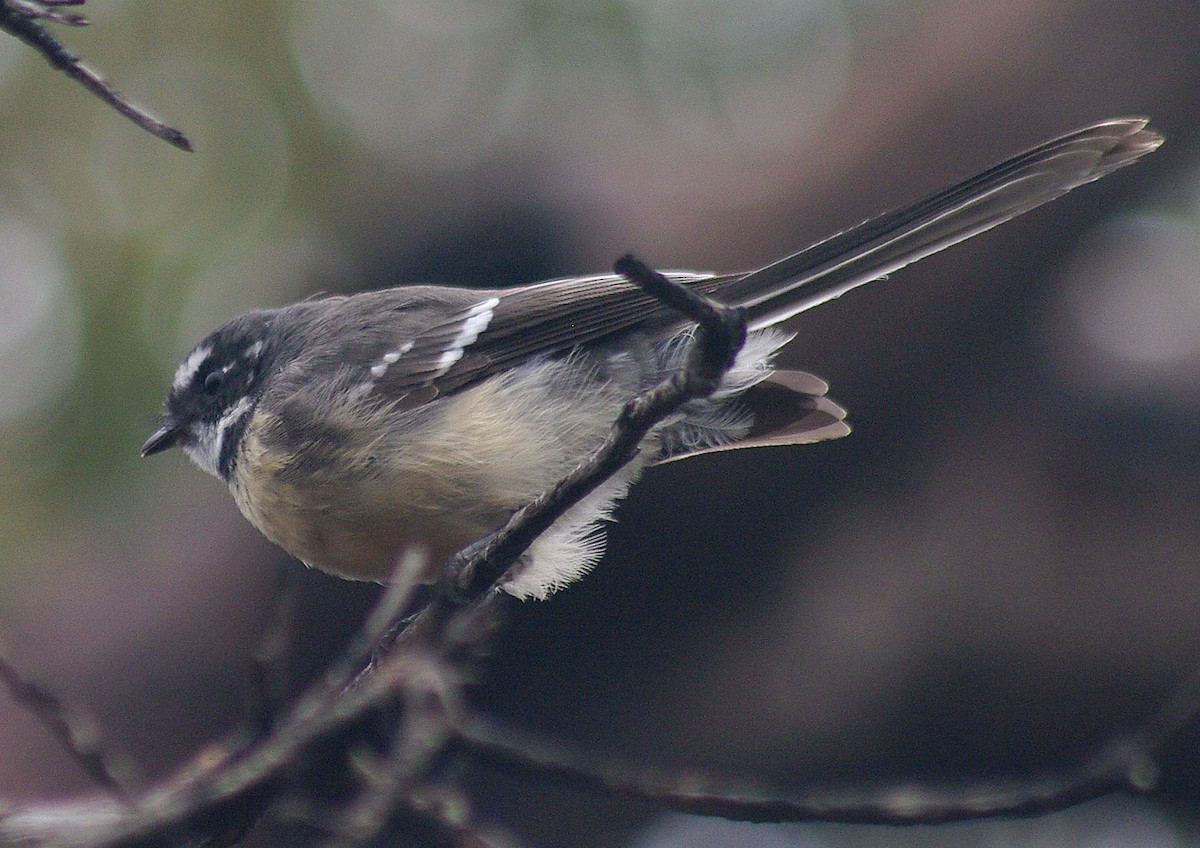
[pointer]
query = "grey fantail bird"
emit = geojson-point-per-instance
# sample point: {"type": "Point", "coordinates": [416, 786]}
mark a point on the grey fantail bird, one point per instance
{"type": "Point", "coordinates": [349, 428]}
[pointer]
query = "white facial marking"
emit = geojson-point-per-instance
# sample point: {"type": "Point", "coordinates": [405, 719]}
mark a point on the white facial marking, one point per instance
{"type": "Point", "coordinates": [477, 319]}
{"type": "Point", "coordinates": [188, 368]}
{"type": "Point", "coordinates": [254, 350]}
{"type": "Point", "coordinates": [210, 438]}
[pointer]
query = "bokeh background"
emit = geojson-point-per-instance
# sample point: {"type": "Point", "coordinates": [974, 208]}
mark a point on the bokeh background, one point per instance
{"type": "Point", "coordinates": [996, 574]}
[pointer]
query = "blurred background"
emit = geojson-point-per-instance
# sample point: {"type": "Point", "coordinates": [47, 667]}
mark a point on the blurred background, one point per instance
{"type": "Point", "coordinates": [994, 576]}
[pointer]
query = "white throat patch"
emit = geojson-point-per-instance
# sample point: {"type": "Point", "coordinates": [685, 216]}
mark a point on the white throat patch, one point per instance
{"type": "Point", "coordinates": [210, 438]}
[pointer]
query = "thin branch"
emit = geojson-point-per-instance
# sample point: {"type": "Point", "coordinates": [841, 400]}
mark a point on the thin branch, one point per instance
{"type": "Point", "coordinates": [49, 10]}
{"type": "Point", "coordinates": [1121, 767]}
{"type": "Point", "coordinates": [366, 816]}
{"type": "Point", "coordinates": [393, 779]}
{"type": "Point", "coordinates": [23, 19]}
{"type": "Point", "coordinates": [380, 625]}
{"type": "Point", "coordinates": [79, 736]}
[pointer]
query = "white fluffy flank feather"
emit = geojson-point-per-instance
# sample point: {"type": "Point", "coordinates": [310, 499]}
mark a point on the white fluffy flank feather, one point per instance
{"type": "Point", "coordinates": [573, 544]}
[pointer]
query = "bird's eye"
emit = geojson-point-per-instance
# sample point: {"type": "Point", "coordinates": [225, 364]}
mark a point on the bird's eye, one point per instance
{"type": "Point", "coordinates": [213, 382]}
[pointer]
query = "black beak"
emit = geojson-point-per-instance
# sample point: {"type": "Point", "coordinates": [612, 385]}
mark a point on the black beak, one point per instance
{"type": "Point", "coordinates": [164, 437]}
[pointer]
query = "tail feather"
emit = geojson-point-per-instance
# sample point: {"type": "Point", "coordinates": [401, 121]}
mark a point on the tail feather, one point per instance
{"type": "Point", "coordinates": [786, 408]}
{"type": "Point", "coordinates": [888, 242]}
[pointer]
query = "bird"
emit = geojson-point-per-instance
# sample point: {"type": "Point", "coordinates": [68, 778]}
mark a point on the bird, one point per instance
{"type": "Point", "coordinates": [350, 429]}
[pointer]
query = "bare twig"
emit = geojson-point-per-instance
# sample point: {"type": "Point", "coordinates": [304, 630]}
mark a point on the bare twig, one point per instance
{"type": "Point", "coordinates": [1116, 769]}
{"type": "Point", "coordinates": [77, 734]}
{"type": "Point", "coordinates": [398, 778]}
{"type": "Point", "coordinates": [386, 781]}
{"type": "Point", "coordinates": [23, 19]}
{"type": "Point", "coordinates": [378, 630]}
{"type": "Point", "coordinates": [202, 801]}
{"type": "Point", "coordinates": [49, 10]}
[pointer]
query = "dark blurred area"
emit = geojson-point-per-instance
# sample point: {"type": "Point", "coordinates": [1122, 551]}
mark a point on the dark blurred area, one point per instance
{"type": "Point", "coordinates": [993, 577]}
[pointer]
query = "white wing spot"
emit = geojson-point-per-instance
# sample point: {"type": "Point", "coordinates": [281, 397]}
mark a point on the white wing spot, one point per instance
{"type": "Point", "coordinates": [476, 321]}
{"type": "Point", "coordinates": [188, 368]}
{"type": "Point", "coordinates": [390, 358]}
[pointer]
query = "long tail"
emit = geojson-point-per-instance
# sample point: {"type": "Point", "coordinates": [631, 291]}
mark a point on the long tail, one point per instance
{"type": "Point", "coordinates": [888, 242]}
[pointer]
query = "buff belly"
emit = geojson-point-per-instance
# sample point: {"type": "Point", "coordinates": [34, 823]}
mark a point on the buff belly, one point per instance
{"type": "Point", "coordinates": [439, 479]}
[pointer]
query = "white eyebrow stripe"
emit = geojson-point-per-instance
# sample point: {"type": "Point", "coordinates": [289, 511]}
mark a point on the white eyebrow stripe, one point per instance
{"type": "Point", "coordinates": [188, 368]}
{"type": "Point", "coordinates": [476, 321]}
